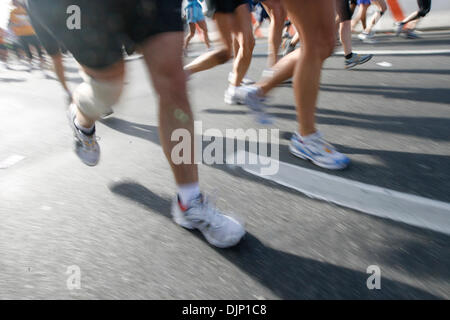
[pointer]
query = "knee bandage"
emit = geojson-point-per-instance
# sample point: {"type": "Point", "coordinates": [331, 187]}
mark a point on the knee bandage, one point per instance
{"type": "Point", "coordinates": [95, 98]}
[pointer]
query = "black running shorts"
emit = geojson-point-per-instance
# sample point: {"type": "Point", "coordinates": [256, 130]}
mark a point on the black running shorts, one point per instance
{"type": "Point", "coordinates": [223, 6]}
{"type": "Point", "coordinates": [104, 24]}
{"type": "Point", "coordinates": [424, 7]}
{"type": "Point", "coordinates": [343, 10]}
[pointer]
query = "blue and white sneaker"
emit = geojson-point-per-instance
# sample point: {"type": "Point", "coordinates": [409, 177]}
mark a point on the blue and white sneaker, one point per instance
{"type": "Point", "coordinates": [314, 148]}
{"type": "Point", "coordinates": [357, 59]}
{"type": "Point", "coordinates": [231, 95]}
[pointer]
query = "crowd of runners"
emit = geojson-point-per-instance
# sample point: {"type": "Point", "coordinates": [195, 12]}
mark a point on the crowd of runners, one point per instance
{"type": "Point", "coordinates": [110, 28]}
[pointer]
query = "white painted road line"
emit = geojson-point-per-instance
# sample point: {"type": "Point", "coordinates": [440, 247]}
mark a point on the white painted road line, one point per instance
{"type": "Point", "coordinates": [384, 64]}
{"type": "Point", "coordinates": [399, 52]}
{"type": "Point", "coordinates": [10, 161]}
{"type": "Point", "coordinates": [373, 200]}
{"type": "Point", "coordinates": [339, 53]}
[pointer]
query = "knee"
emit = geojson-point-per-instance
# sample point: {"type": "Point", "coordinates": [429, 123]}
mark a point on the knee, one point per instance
{"type": "Point", "coordinates": [326, 46]}
{"type": "Point", "coordinates": [321, 49]}
{"type": "Point", "coordinates": [223, 55]}
{"type": "Point", "coordinates": [423, 12]}
{"type": "Point", "coordinates": [95, 98]}
{"type": "Point", "coordinates": [170, 81]}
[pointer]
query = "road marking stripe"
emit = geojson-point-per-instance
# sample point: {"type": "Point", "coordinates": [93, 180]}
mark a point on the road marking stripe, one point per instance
{"type": "Point", "coordinates": [10, 161]}
{"type": "Point", "coordinates": [400, 52]}
{"type": "Point", "coordinates": [341, 53]}
{"type": "Point", "coordinates": [370, 199]}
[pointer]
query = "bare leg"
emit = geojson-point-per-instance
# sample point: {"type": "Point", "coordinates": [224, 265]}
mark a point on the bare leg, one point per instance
{"type": "Point", "coordinates": [246, 40]}
{"type": "Point", "coordinates": [203, 26]}
{"type": "Point", "coordinates": [283, 70]}
{"type": "Point", "coordinates": [190, 35]}
{"type": "Point", "coordinates": [413, 16]}
{"type": "Point", "coordinates": [314, 20]}
{"type": "Point", "coordinates": [295, 39]}
{"type": "Point", "coordinates": [277, 16]}
{"type": "Point", "coordinates": [59, 70]}
{"type": "Point", "coordinates": [236, 45]}
{"type": "Point", "coordinates": [364, 16]}
{"type": "Point", "coordinates": [169, 81]}
{"type": "Point", "coordinates": [360, 15]}
{"type": "Point", "coordinates": [345, 34]}
{"type": "Point", "coordinates": [211, 59]}
{"type": "Point", "coordinates": [382, 7]}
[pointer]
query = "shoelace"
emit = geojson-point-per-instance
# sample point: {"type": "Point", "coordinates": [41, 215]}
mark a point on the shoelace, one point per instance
{"type": "Point", "coordinates": [324, 144]}
{"type": "Point", "coordinates": [317, 140]}
{"type": "Point", "coordinates": [89, 141]}
{"type": "Point", "coordinates": [212, 215]}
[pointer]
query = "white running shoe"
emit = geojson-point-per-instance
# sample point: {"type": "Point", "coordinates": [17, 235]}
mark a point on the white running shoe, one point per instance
{"type": "Point", "coordinates": [314, 148]}
{"type": "Point", "coordinates": [367, 37]}
{"type": "Point", "coordinates": [251, 96]}
{"type": "Point", "coordinates": [245, 81]}
{"type": "Point", "coordinates": [85, 146]}
{"type": "Point", "coordinates": [219, 230]}
{"type": "Point", "coordinates": [231, 96]}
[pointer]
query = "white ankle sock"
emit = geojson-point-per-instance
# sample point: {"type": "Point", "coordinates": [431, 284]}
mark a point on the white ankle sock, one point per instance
{"type": "Point", "coordinates": [188, 192]}
{"type": "Point", "coordinates": [87, 131]}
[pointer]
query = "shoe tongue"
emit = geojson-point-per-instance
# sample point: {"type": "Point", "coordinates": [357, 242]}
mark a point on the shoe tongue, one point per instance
{"type": "Point", "coordinates": [196, 201]}
{"type": "Point", "coordinates": [192, 203]}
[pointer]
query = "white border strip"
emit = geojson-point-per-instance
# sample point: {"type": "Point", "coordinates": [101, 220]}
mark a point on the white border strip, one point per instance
{"type": "Point", "coordinates": [373, 200]}
{"type": "Point", "coordinates": [399, 52]}
{"type": "Point", "coordinates": [10, 161]}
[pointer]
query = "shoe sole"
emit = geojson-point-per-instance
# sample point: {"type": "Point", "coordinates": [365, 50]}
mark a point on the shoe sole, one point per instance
{"type": "Point", "coordinates": [305, 157]}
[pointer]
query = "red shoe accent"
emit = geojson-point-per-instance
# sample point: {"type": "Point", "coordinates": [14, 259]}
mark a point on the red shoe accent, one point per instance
{"type": "Point", "coordinates": [182, 207]}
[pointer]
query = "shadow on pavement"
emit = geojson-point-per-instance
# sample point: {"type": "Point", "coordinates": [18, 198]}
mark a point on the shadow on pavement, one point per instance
{"type": "Point", "coordinates": [397, 71]}
{"type": "Point", "coordinates": [424, 127]}
{"type": "Point", "coordinates": [422, 174]}
{"type": "Point", "coordinates": [286, 275]}
{"type": "Point", "coordinates": [436, 95]}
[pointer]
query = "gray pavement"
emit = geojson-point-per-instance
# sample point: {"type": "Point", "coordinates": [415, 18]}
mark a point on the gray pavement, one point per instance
{"type": "Point", "coordinates": [113, 221]}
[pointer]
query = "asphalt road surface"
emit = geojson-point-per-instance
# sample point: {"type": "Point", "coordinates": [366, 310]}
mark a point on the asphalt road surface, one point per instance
{"type": "Point", "coordinates": [112, 222]}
